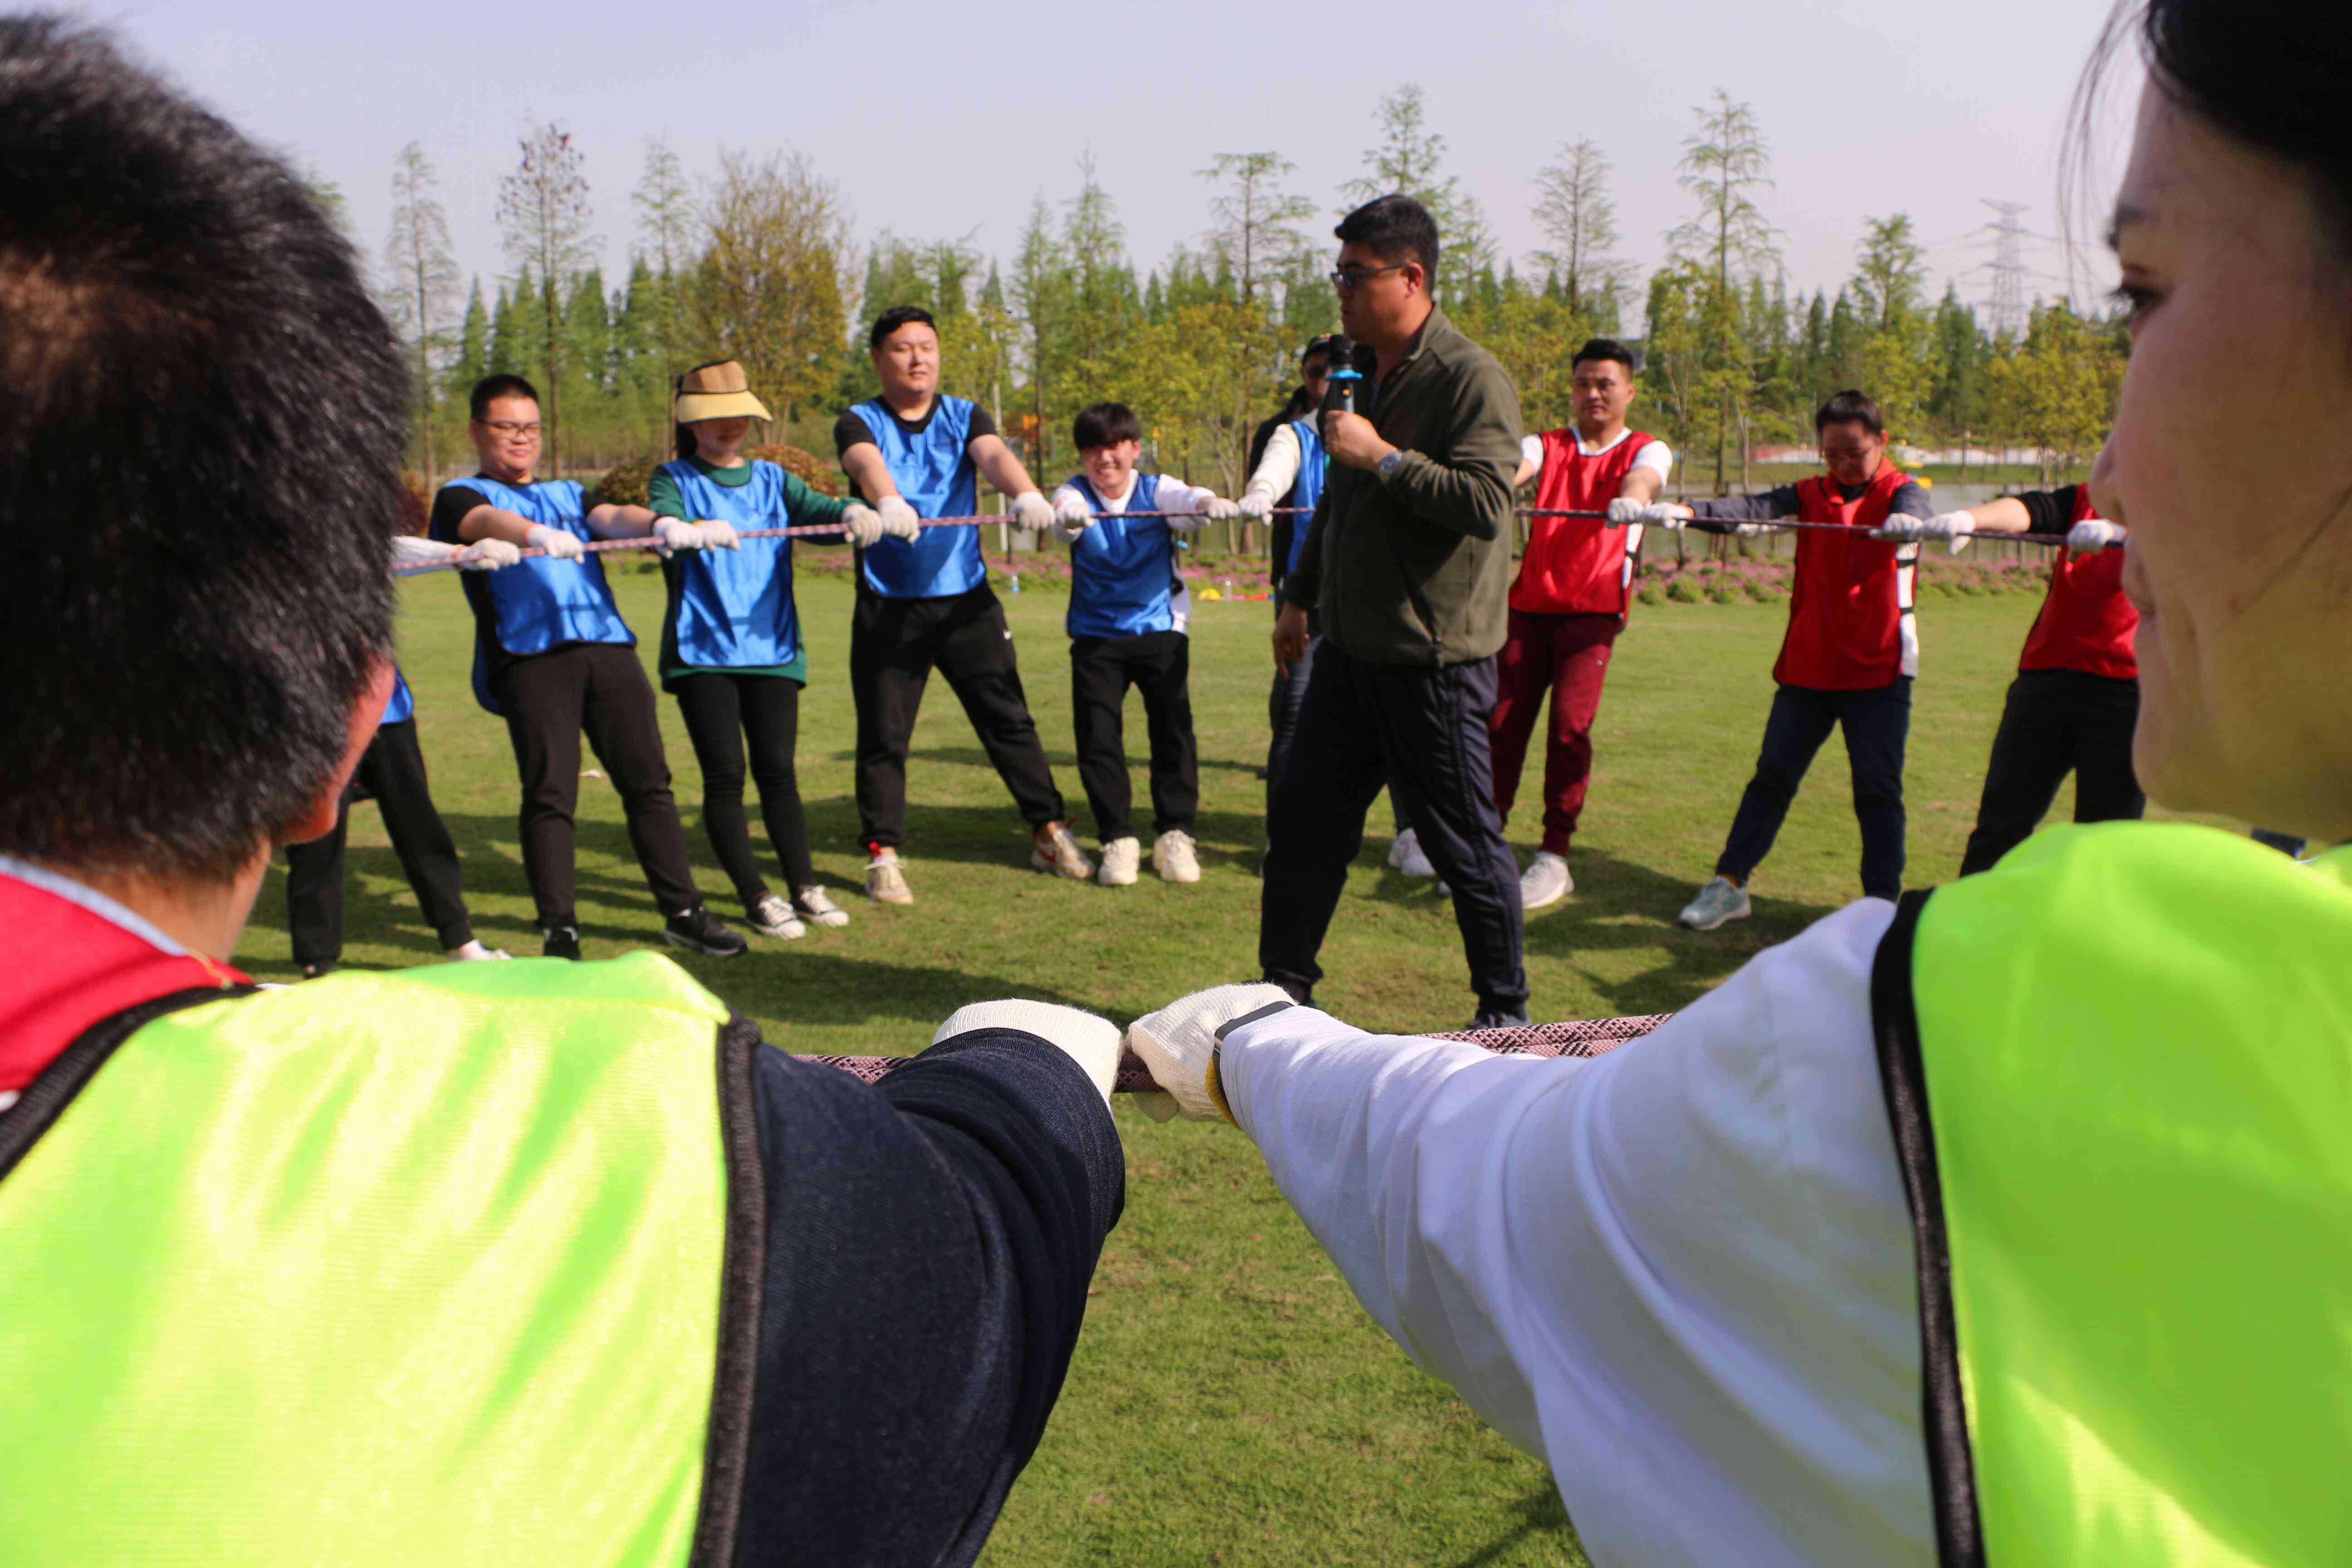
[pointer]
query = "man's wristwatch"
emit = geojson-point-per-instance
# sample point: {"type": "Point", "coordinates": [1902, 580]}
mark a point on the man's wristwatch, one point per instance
{"type": "Point", "coordinates": [1390, 464]}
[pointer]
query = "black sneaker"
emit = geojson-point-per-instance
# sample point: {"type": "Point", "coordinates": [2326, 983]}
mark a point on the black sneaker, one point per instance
{"type": "Point", "coordinates": [318, 971]}
{"type": "Point", "coordinates": [1299, 991]}
{"type": "Point", "coordinates": [559, 941]}
{"type": "Point", "coordinates": [700, 931]}
{"type": "Point", "coordinates": [1498, 1018]}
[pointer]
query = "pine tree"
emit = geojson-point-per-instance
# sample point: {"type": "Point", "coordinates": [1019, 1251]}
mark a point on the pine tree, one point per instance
{"type": "Point", "coordinates": [1410, 161]}
{"type": "Point", "coordinates": [1580, 217]}
{"type": "Point", "coordinates": [424, 277]}
{"type": "Point", "coordinates": [1257, 221]}
{"type": "Point", "coordinates": [544, 220]}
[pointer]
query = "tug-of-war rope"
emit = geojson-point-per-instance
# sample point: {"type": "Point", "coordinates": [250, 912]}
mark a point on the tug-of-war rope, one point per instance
{"type": "Point", "coordinates": [1584, 1038]}
{"type": "Point", "coordinates": [833, 530]}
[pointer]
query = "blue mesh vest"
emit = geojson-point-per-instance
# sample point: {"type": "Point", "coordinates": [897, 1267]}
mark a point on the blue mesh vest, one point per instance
{"type": "Point", "coordinates": [401, 706]}
{"type": "Point", "coordinates": [1307, 488]}
{"type": "Point", "coordinates": [541, 603]}
{"type": "Point", "coordinates": [934, 475]}
{"type": "Point", "coordinates": [732, 609]}
{"type": "Point", "coordinates": [1123, 570]}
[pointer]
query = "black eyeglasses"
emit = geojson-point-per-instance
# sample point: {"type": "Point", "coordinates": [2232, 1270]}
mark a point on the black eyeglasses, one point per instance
{"type": "Point", "coordinates": [1346, 281]}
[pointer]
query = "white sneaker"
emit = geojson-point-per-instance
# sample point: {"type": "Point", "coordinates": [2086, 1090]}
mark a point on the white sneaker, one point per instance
{"type": "Point", "coordinates": [1406, 856]}
{"type": "Point", "coordinates": [475, 952]}
{"type": "Point", "coordinates": [1547, 881]}
{"type": "Point", "coordinates": [1052, 848]}
{"type": "Point", "coordinates": [771, 916]}
{"type": "Point", "coordinates": [885, 882]}
{"type": "Point", "coordinates": [813, 903]}
{"type": "Point", "coordinates": [1118, 863]}
{"type": "Point", "coordinates": [1717, 903]}
{"type": "Point", "coordinates": [1173, 857]}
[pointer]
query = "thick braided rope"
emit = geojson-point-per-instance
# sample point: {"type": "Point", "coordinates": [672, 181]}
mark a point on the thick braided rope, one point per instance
{"type": "Point", "coordinates": [1583, 1037]}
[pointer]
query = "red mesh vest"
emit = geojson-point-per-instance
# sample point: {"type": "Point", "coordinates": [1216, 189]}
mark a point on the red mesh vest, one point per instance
{"type": "Point", "coordinates": [2085, 623]}
{"type": "Point", "coordinates": [1848, 615]}
{"type": "Point", "coordinates": [1575, 565]}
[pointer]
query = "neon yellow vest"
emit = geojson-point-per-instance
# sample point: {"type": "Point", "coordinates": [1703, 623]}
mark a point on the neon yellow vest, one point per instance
{"type": "Point", "coordinates": [410, 1268]}
{"type": "Point", "coordinates": [2119, 1067]}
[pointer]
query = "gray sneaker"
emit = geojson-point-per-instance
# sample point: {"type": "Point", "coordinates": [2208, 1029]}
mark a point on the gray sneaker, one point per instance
{"type": "Point", "coordinates": [1717, 903]}
{"type": "Point", "coordinates": [812, 903]}
{"type": "Point", "coordinates": [771, 916]}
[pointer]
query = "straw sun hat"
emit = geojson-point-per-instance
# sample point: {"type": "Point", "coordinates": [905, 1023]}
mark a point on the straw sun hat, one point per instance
{"type": "Point", "coordinates": [719, 390]}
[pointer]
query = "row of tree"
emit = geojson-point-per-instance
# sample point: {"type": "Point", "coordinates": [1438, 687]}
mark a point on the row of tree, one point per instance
{"type": "Point", "coordinates": [760, 261]}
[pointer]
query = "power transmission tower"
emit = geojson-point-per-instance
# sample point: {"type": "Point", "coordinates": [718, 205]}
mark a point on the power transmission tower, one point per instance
{"type": "Point", "coordinates": [2008, 269]}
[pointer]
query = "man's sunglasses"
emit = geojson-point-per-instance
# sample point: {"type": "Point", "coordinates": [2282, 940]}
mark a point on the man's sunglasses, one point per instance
{"type": "Point", "coordinates": [1347, 279]}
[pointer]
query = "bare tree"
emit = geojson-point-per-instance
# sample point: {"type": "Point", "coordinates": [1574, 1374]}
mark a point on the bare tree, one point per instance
{"type": "Point", "coordinates": [1410, 160]}
{"type": "Point", "coordinates": [423, 273]}
{"type": "Point", "coordinates": [1257, 221]}
{"type": "Point", "coordinates": [1579, 215]}
{"type": "Point", "coordinates": [666, 220]}
{"type": "Point", "coordinates": [772, 286]}
{"type": "Point", "coordinates": [1723, 159]}
{"type": "Point", "coordinates": [543, 221]}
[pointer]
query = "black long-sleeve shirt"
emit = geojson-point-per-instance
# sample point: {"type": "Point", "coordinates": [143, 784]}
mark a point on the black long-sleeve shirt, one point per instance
{"type": "Point", "coordinates": [1781, 501]}
{"type": "Point", "coordinates": [930, 1242]}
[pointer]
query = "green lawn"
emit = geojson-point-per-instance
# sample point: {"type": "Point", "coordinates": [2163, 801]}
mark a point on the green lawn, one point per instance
{"type": "Point", "coordinates": [1229, 1403]}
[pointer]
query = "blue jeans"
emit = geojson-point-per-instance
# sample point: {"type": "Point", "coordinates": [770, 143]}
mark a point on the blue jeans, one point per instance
{"type": "Point", "coordinates": [1877, 724]}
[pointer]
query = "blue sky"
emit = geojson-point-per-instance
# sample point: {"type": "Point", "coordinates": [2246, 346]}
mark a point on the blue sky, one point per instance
{"type": "Point", "coordinates": [942, 120]}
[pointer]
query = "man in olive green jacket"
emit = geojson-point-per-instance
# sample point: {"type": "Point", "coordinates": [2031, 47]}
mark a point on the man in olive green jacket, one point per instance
{"type": "Point", "coordinates": [1407, 565]}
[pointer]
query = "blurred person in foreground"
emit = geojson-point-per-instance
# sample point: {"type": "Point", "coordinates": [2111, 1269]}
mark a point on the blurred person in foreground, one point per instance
{"type": "Point", "coordinates": [2012, 1223]}
{"type": "Point", "coordinates": [523, 1263]}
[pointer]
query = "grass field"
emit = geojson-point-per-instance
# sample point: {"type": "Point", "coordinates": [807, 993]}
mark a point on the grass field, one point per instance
{"type": "Point", "coordinates": [1229, 1403]}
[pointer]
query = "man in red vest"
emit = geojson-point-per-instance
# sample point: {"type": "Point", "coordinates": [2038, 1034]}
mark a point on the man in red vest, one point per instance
{"type": "Point", "coordinates": [2076, 695]}
{"type": "Point", "coordinates": [1569, 601]}
{"type": "Point", "coordinates": [1847, 660]}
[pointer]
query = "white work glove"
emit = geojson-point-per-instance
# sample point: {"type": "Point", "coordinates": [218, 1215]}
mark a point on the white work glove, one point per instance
{"type": "Point", "coordinates": [1624, 511]}
{"type": "Point", "coordinates": [719, 534]}
{"type": "Point", "coordinates": [675, 535]}
{"type": "Point", "coordinates": [2092, 535]}
{"type": "Point", "coordinates": [1071, 517]}
{"type": "Point", "coordinates": [1032, 510]}
{"type": "Point", "coordinates": [1091, 1042]}
{"type": "Point", "coordinates": [559, 543]}
{"type": "Point", "coordinates": [898, 519]}
{"type": "Point", "coordinates": [1659, 513]}
{"type": "Point", "coordinates": [487, 556]}
{"type": "Point", "coordinates": [862, 524]}
{"type": "Point", "coordinates": [1256, 503]}
{"type": "Point", "coordinates": [1217, 509]}
{"type": "Point", "coordinates": [1947, 526]}
{"type": "Point", "coordinates": [408, 550]}
{"type": "Point", "coordinates": [1179, 1044]}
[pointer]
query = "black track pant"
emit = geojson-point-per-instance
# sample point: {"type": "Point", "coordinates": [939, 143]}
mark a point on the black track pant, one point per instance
{"type": "Point", "coordinates": [1423, 732]}
{"type": "Point", "coordinates": [1877, 724]}
{"type": "Point", "coordinates": [391, 769]}
{"type": "Point", "coordinates": [1158, 665]}
{"type": "Point", "coordinates": [1283, 702]}
{"type": "Point", "coordinates": [893, 646]}
{"type": "Point", "coordinates": [551, 699]}
{"type": "Point", "coordinates": [720, 710]}
{"type": "Point", "coordinates": [2056, 721]}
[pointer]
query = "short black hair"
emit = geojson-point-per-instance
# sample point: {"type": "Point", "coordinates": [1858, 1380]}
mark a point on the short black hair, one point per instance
{"type": "Point", "coordinates": [1395, 228]}
{"type": "Point", "coordinates": [197, 591]}
{"type": "Point", "coordinates": [1609, 349]}
{"type": "Point", "coordinates": [1850, 407]}
{"type": "Point", "coordinates": [1105, 425]}
{"type": "Point", "coordinates": [891, 320]}
{"type": "Point", "coordinates": [491, 388]}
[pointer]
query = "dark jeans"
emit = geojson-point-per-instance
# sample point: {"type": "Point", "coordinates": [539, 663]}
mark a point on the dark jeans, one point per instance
{"type": "Point", "coordinates": [1158, 665]}
{"type": "Point", "coordinates": [1282, 705]}
{"type": "Point", "coordinates": [1424, 732]}
{"type": "Point", "coordinates": [2056, 721]}
{"type": "Point", "coordinates": [719, 711]}
{"type": "Point", "coordinates": [391, 769]}
{"type": "Point", "coordinates": [1566, 659]}
{"type": "Point", "coordinates": [1877, 722]}
{"type": "Point", "coordinates": [893, 646]}
{"type": "Point", "coordinates": [550, 700]}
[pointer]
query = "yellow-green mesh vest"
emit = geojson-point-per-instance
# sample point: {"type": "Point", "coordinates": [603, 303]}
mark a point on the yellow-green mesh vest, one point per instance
{"type": "Point", "coordinates": [2119, 1070]}
{"type": "Point", "coordinates": [431, 1267]}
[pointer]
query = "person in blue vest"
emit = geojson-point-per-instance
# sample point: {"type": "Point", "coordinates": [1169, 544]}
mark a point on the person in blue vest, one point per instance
{"type": "Point", "coordinates": [1127, 619]}
{"type": "Point", "coordinates": [392, 773]}
{"type": "Point", "coordinates": [730, 648]}
{"type": "Point", "coordinates": [554, 657]}
{"type": "Point", "coordinates": [924, 602]}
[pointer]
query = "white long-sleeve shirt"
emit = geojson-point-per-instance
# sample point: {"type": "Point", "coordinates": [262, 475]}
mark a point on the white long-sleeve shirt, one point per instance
{"type": "Point", "coordinates": [1277, 465]}
{"type": "Point", "coordinates": [1175, 496]}
{"type": "Point", "coordinates": [1681, 1272]}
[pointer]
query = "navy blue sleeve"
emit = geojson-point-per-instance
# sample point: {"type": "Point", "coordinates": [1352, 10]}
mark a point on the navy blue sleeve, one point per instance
{"type": "Point", "coordinates": [929, 1243]}
{"type": "Point", "coordinates": [1910, 499]}
{"type": "Point", "coordinates": [1780, 502]}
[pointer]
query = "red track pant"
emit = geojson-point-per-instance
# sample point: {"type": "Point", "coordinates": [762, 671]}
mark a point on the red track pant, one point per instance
{"type": "Point", "coordinates": [1566, 657]}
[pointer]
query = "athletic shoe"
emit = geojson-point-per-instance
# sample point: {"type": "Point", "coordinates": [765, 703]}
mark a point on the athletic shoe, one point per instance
{"type": "Point", "coordinates": [885, 883]}
{"type": "Point", "coordinates": [1118, 862]}
{"type": "Point", "coordinates": [318, 971]}
{"type": "Point", "coordinates": [1052, 848]}
{"type": "Point", "coordinates": [1498, 1018]}
{"type": "Point", "coordinates": [1174, 858]}
{"type": "Point", "coordinates": [475, 952]}
{"type": "Point", "coordinates": [1547, 881]}
{"type": "Point", "coordinates": [1717, 903]}
{"type": "Point", "coordinates": [1406, 856]}
{"type": "Point", "coordinates": [812, 904]}
{"type": "Point", "coordinates": [700, 931]}
{"type": "Point", "coordinates": [771, 916]}
{"type": "Point", "coordinates": [559, 941]}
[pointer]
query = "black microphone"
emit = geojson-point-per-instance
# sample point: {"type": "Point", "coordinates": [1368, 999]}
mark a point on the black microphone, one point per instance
{"type": "Point", "coordinates": [1340, 391]}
